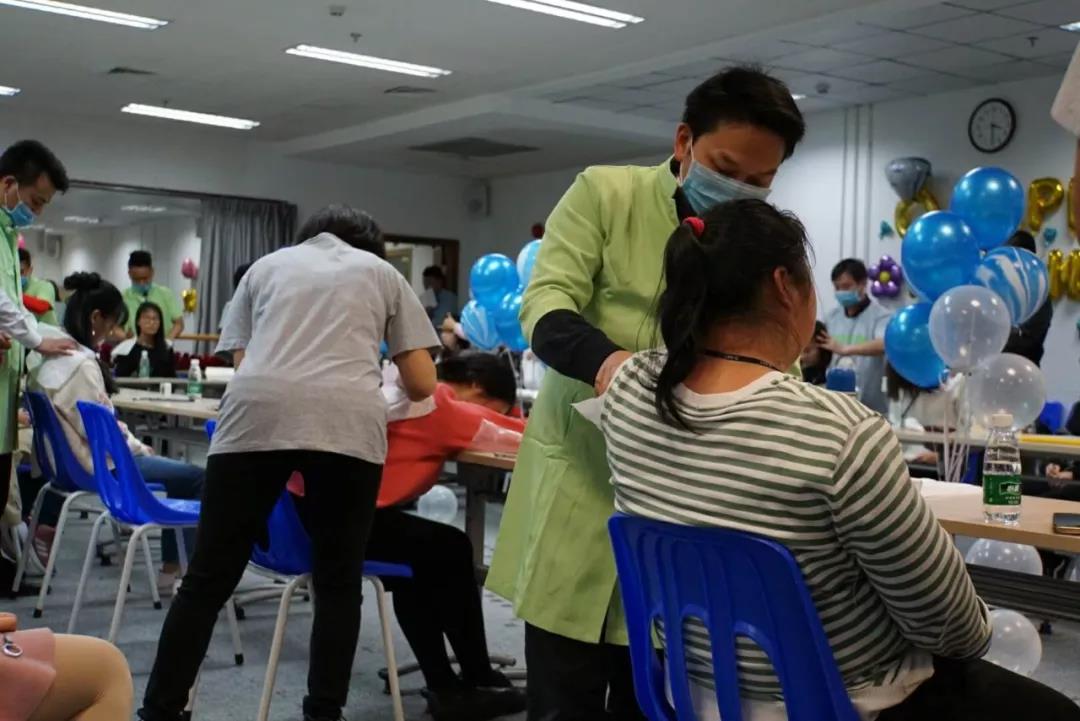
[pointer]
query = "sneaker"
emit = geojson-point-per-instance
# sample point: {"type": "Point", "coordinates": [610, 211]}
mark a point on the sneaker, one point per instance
{"type": "Point", "coordinates": [492, 679]}
{"type": "Point", "coordinates": [166, 583]}
{"type": "Point", "coordinates": [324, 718]}
{"type": "Point", "coordinates": [474, 704]}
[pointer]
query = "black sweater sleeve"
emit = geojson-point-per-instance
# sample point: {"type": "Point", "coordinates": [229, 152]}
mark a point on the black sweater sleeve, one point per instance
{"type": "Point", "coordinates": [571, 345]}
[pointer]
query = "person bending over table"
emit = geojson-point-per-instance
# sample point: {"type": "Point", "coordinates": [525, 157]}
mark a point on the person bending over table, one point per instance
{"type": "Point", "coordinates": [149, 337]}
{"type": "Point", "coordinates": [305, 327]}
{"type": "Point", "coordinates": [95, 308]}
{"type": "Point", "coordinates": [687, 429]}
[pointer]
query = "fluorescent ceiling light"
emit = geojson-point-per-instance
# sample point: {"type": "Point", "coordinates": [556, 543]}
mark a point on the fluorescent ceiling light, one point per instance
{"type": "Point", "coordinates": [222, 121]}
{"type": "Point", "coordinates": [143, 208]}
{"type": "Point", "coordinates": [798, 96]}
{"type": "Point", "coordinates": [367, 61]}
{"type": "Point", "coordinates": [88, 13]}
{"type": "Point", "coordinates": [1073, 27]}
{"type": "Point", "coordinates": [82, 219]}
{"type": "Point", "coordinates": [575, 11]}
{"type": "Point", "coordinates": [5, 90]}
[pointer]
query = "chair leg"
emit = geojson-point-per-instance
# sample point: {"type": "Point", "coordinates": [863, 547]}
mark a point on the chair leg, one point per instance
{"type": "Point", "coordinates": [20, 570]}
{"type": "Point", "coordinates": [90, 547]}
{"type": "Point", "coordinates": [275, 648]}
{"type": "Point", "coordinates": [150, 574]}
{"type": "Point", "coordinates": [234, 631]}
{"type": "Point", "coordinates": [53, 552]}
{"type": "Point", "coordinates": [189, 709]}
{"type": "Point", "coordinates": [125, 579]}
{"type": "Point", "coordinates": [388, 648]}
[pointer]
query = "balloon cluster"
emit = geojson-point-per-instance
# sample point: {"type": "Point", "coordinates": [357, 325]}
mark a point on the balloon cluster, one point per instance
{"type": "Point", "coordinates": [189, 269]}
{"type": "Point", "coordinates": [497, 285]}
{"type": "Point", "coordinates": [887, 278]}
{"type": "Point", "coordinates": [969, 302]}
{"type": "Point", "coordinates": [1015, 643]}
{"type": "Point", "coordinates": [908, 177]}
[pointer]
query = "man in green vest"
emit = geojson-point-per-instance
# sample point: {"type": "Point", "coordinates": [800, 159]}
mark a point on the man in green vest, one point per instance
{"type": "Point", "coordinates": [144, 290]}
{"type": "Point", "coordinates": [30, 175]}
{"type": "Point", "coordinates": [37, 288]}
{"type": "Point", "coordinates": [586, 309]}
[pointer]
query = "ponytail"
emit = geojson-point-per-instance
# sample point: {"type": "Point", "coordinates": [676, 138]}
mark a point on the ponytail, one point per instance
{"type": "Point", "coordinates": [92, 292]}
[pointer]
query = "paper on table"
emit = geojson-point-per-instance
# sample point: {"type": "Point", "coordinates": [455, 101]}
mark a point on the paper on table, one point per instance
{"type": "Point", "coordinates": [590, 408]}
{"type": "Point", "coordinates": [930, 488]}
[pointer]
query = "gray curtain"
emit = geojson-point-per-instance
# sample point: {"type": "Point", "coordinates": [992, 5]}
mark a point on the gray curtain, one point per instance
{"type": "Point", "coordinates": [235, 231]}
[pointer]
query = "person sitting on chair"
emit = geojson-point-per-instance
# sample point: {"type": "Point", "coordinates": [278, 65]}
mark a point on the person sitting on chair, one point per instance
{"type": "Point", "coordinates": [710, 431]}
{"type": "Point", "coordinates": [149, 338]}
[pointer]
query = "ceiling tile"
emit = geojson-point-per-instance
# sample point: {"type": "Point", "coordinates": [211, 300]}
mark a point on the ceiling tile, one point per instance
{"type": "Point", "coordinates": [813, 85]}
{"type": "Point", "coordinates": [1058, 61]}
{"type": "Point", "coordinates": [810, 105]}
{"type": "Point", "coordinates": [1011, 70]}
{"type": "Point", "coordinates": [678, 87]}
{"type": "Point", "coordinates": [625, 96]}
{"type": "Point", "coordinates": [986, 4]}
{"type": "Point", "coordinates": [881, 71]}
{"type": "Point", "coordinates": [752, 50]}
{"type": "Point", "coordinates": [1046, 12]}
{"type": "Point", "coordinates": [600, 104]}
{"type": "Point", "coordinates": [1034, 45]}
{"type": "Point", "coordinates": [955, 58]}
{"type": "Point", "coordinates": [871, 94]}
{"type": "Point", "coordinates": [830, 37]}
{"type": "Point", "coordinates": [701, 69]}
{"type": "Point", "coordinates": [923, 16]}
{"type": "Point", "coordinates": [818, 60]}
{"type": "Point", "coordinates": [975, 29]}
{"type": "Point", "coordinates": [657, 112]}
{"type": "Point", "coordinates": [643, 81]}
{"type": "Point", "coordinates": [892, 44]}
{"type": "Point", "coordinates": [787, 75]}
{"type": "Point", "coordinates": [935, 83]}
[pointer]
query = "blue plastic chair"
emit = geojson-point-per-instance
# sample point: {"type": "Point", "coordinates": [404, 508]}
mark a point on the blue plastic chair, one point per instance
{"type": "Point", "coordinates": [129, 502]}
{"type": "Point", "coordinates": [1052, 416]}
{"type": "Point", "coordinates": [737, 584]}
{"type": "Point", "coordinates": [287, 557]}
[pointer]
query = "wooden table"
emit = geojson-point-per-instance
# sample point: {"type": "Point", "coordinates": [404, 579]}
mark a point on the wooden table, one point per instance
{"type": "Point", "coordinates": [963, 516]}
{"type": "Point", "coordinates": [158, 382]}
{"type": "Point", "coordinates": [1028, 444]}
{"type": "Point", "coordinates": [152, 402]}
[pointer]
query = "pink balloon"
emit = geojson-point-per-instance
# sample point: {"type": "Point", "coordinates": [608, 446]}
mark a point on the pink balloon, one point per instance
{"type": "Point", "coordinates": [22, 241]}
{"type": "Point", "coordinates": [189, 269]}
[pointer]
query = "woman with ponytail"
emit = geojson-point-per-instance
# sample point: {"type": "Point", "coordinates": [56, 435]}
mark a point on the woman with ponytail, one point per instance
{"type": "Point", "coordinates": [710, 431]}
{"type": "Point", "coordinates": [94, 308]}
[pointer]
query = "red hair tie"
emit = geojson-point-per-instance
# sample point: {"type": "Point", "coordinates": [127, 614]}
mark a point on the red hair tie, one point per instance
{"type": "Point", "coordinates": [696, 225]}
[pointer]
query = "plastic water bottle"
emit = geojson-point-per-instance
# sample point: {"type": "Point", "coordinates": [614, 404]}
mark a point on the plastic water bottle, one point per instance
{"type": "Point", "coordinates": [1001, 472]}
{"type": "Point", "coordinates": [195, 380]}
{"type": "Point", "coordinates": [144, 365]}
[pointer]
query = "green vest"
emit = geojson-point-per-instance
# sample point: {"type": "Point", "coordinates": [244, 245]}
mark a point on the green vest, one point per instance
{"type": "Point", "coordinates": [11, 370]}
{"type": "Point", "coordinates": [43, 289]}
{"type": "Point", "coordinates": [602, 256]}
{"type": "Point", "coordinates": [160, 296]}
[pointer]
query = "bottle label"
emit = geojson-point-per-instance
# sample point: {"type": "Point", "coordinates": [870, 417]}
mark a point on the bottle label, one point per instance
{"type": "Point", "coordinates": [1001, 489]}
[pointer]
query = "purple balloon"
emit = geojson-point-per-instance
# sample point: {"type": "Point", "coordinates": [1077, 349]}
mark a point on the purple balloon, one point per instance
{"type": "Point", "coordinates": [877, 288]}
{"type": "Point", "coordinates": [898, 274]}
{"type": "Point", "coordinates": [886, 260]}
{"type": "Point", "coordinates": [892, 289]}
{"type": "Point", "coordinates": [875, 271]}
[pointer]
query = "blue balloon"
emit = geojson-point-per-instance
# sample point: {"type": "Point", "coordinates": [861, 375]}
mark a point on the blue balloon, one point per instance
{"type": "Point", "coordinates": [509, 308]}
{"type": "Point", "coordinates": [478, 326]}
{"type": "Point", "coordinates": [1019, 277]}
{"type": "Point", "coordinates": [492, 276]}
{"type": "Point", "coordinates": [909, 349]}
{"type": "Point", "coordinates": [526, 260]}
{"type": "Point", "coordinates": [939, 252]}
{"type": "Point", "coordinates": [991, 201]}
{"type": "Point", "coordinates": [511, 334]}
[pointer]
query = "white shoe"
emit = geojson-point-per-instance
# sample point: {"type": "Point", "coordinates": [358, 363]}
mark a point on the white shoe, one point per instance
{"type": "Point", "coordinates": [167, 583]}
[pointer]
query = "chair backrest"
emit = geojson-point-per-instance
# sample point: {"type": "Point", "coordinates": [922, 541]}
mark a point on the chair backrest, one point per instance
{"type": "Point", "coordinates": [60, 467]}
{"type": "Point", "coordinates": [1052, 416]}
{"type": "Point", "coordinates": [736, 584]}
{"type": "Point", "coordinates": [122, 489]}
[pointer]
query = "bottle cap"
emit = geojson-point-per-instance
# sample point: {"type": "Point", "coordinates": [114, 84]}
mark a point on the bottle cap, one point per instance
{"type": "Point", "coordinates": [1001, 420]}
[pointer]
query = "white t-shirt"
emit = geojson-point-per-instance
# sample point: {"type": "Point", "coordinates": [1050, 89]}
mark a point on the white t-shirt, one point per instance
{"type": "Point", "coordinates": [868, 325]}
{"type": "Point", "coordinates": [310, 318]}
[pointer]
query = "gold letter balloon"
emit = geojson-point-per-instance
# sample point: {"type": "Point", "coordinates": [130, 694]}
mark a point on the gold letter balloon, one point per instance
{"type": "Point", "coordinates": [1055, 268]}
{"type": "Point", "coordinates": [1044, 197]}
{"type": "Point", "coordinates": [903, 216]}
{"type": "Point", "coordinates": [190, 296]}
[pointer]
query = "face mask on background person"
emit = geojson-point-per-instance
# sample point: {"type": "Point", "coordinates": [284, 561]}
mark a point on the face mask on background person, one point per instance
{"type": "Point", "coordinates": [141, 288]}
{"type": "Point", "coordinates": [705, 187]}
{"type": "Point", "coordinates": [848, 298]}
{"type": "Point", "coordinates": [21, 215]}
{"type": "Point", "coordinates": [25, 282]}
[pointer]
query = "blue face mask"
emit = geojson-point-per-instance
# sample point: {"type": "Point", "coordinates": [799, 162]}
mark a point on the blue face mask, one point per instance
{"type": "Point", "coordinates": [25, 282]}
{"type": "Point", "coordinates": [21, 215]}
{"type": "Point", "coordinates": [704, 187]}
{"type": "Point", "coordinates": [141, 288]}
{"type": "Point", "coordinates": [848, 298]}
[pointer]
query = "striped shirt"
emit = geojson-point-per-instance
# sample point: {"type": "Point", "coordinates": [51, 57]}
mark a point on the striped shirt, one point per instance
{"type": "Point", "coordinates": [825, 476]}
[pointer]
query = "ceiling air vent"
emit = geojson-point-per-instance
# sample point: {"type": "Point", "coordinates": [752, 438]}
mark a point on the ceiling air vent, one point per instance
{"type": "Point", "coordinates": [123, 70]}
{"type": "Point", "coordinates": [473, 148]}
{"type": "Point", "coordinates": [408, 90]}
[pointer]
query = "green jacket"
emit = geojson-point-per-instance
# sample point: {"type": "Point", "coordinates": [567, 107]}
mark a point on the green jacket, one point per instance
{"type": "Point", "coordinates": [43, 289]}
{"type": "Point", "coordinates": [602, 256]}
{"type": "Point", "coordinates": [11, 370]}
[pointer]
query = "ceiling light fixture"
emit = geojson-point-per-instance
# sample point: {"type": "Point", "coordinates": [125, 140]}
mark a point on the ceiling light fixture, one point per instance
{"type": "Point", "coordinates": [82, 219]}
{"type": "Point", "coordinates": [575, 11]}
{"type": "Point", "coordinates": [5, 90]}
{"type": "Point", "coordinates": [187, 116]}
{"type": "Point", "coordinates": [143, 208]}
{"type": "Point", "coordinates": [1073, 27]}
{"type": "Point", "coordinates": [366, 61]}
{"type": "Point", "coordinates": [798, 96]}
{"type": "Point", "coordinates": [88, 13]}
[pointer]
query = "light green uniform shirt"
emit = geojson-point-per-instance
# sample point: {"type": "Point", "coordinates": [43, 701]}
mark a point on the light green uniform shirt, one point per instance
{"type": "Point", "coordinates": [43, 289]}
{"type": "Point", "coordinates": [160, 296]}
{"type": "Point", "coordinates": [602, 257]}
{"type": "Point", "coordinates": [12, 359]}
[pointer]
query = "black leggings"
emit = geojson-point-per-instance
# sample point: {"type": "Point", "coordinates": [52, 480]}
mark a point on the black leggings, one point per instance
{"type": "Point", "coordinates": [240, 491]}
{"type": "Point", "coordinates": [442, 598]}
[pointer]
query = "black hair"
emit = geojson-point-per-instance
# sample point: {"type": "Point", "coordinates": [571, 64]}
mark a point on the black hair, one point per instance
{"type": "Point", "coordinates": [28, 160]}
{"type": "Point", "coordinates": [140, 259]}
{"type": "Point", "coordinates": [824, 354]}
{"type": "Point", "coordinates": [489, 371]}
{"type": "Point", "coordinates": [239, 273]}
{"type": "Point", "coordinates": [434, 271]}
{"type": "Point", "coordinates": [91, 292]}
{"type": "Point", "coordinates": [24, 256]}
{"type": "Point", "coordinates": [896, 383]}
{"type": "Point", "coordinates": [705, 285]}
{"type": "Point", "coordinates": [1022, 239]}
{"type": "Point", "coordinates": [744, 94]}
{"type": "Point", "coordinates": [353, 226]}
{"type": "Point", "coordinates": [159, 337]}
{"type": "Point", "coordinates": [853, 267]}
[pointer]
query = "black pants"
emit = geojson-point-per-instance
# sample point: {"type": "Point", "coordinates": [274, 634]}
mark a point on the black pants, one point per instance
{"type": "Point", "coordinates": [442, 598]}
{"type": "Point", "coordinates": [577, 681]}
{"type": "Point", "coordinates": [240, 491]}
{"type": "Point", "coordinates": [981, 691]}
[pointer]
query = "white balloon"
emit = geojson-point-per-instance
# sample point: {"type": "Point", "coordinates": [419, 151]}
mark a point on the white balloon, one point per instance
{"type": "Point", "coordinates": [968, 324]}
{"type": "Point", "coordinates": [964, 544]}
{"type": "Point", "coordinates": [1005, 556]}
{"type": "Point", "coordinates": [1007, 383]}
{"type": "Point", "coordinates": [439, 504]}
{"type": "Point", "coordinates": [1072, 573]}
{"type": "Point", "coordinates": [1015, 644]}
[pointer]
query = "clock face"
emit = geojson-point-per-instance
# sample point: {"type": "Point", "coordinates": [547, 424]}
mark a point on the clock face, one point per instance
{"type": "Point", "coordinates": [992, 125]}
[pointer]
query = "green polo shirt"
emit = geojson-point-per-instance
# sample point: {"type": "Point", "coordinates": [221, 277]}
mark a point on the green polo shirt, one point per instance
{"type": "Point", "coordinates": [43, 290]}
{"type": "Point", "coordinates": [160, 296]}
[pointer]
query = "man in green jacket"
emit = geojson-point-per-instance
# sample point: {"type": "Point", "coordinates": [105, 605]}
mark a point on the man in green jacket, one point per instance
{"type": "Point", "coordinates": [587, 308]}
